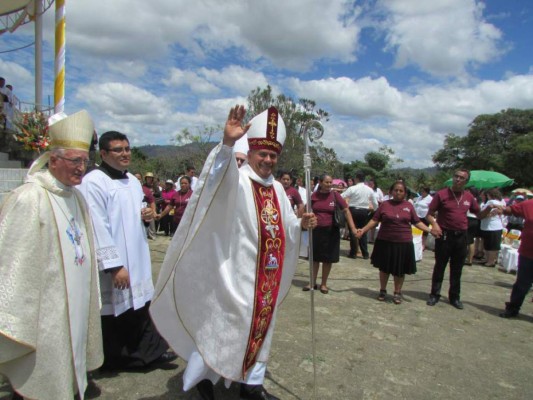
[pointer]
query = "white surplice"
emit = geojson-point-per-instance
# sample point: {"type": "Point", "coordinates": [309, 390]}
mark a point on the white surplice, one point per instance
{"type": "Point", "coordinates": [205, 292]}
{"type": "Point", "coordinates": [120, 237]}
{"type": "Point", "coordinates": [50, 333]}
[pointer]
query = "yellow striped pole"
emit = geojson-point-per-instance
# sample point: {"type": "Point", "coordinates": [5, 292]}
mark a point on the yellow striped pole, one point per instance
{"type": "Point", "coordinates": [59, 84]}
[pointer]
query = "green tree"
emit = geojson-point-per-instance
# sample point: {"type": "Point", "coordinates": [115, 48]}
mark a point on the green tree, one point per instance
{"type": "Point", "coordinates": [376, 161]}
{"type": "Point", "coordinates": [452, 154]}
{"type": "Point", "coordinates": [325, 161]}
{"type": "Point", "coordinates": [499, 142]}
{"type": "Point", "coordinates": [518, 161]}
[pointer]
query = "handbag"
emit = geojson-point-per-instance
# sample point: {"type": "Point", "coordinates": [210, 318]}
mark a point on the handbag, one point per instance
{"type": "Point", "coordinates": [339, 218]}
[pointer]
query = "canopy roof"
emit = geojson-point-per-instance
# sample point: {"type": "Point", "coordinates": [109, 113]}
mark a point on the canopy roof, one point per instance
{"type": "Point", "coordinates": [9, 6]}
{"type": "Point", "coordinates": [14, 13]}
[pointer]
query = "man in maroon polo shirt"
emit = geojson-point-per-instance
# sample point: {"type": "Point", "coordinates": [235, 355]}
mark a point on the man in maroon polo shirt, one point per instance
{"type": "Point", "coordinates": [524, 276]}
{"type": "Point", "coordinates": [447, 215]}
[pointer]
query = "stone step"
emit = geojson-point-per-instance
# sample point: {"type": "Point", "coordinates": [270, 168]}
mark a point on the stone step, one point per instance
{"type": "Point", "coordinates": [10, 178]}
{"type": "Point", "coordinates": [5, 162]}
{"type": "Point", "coordinates": [10, 164]}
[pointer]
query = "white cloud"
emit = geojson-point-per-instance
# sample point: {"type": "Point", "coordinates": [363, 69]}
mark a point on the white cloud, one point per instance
{"type": "Point", "coordinates": [442, 37]}
{"type": "Point", "coordinates": [196, 83]}
{"type": "Point", "coordinates": [218, 109]}
{"type": "Point", "coordinates": [128, 68]}
{"type": "Point", "coordinates": [124, 101]}
{"type": "Point", "coordinates": [362, 98]}
{"type": "Point", "coordinates": [294, 33]}
{"type": "Point", "coordinates": [17, 76]}
{"type": "Point", "coordinates": [234, 78]}
{"type": "Point", "coordinates": [150, 29]}
{"type": "Point", "coordinates": [406, 120]}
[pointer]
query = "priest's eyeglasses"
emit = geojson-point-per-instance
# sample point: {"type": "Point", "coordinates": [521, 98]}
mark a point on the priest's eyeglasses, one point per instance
{"type": "Point", "coordinates": [77, 161]}
{"type": "Point", "coordinates": [120, 150]}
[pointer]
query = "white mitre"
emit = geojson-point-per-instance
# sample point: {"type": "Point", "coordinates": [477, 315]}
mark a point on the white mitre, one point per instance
{"type": "Point", "coordinates": [73, 132]}
{"type": "Point", "coordinates": [267, 131]}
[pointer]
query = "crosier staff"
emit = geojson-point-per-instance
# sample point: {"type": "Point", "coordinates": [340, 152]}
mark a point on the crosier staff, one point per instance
{"type": "Point", "coordinates": [310, 131]}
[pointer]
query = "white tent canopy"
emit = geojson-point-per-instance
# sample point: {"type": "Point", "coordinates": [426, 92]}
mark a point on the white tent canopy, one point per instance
{"type": "Point", "coordinates": [14, 13]}
{"type": "Point", "coordinates": [9, 6]}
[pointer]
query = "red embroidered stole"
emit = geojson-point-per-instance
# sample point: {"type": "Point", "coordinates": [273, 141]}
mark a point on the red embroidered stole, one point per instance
{"type": "Point", "coordinates": [269, 268]}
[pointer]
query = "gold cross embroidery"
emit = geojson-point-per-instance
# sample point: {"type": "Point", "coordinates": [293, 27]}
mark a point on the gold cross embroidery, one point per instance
{"type": "Point", "coordinates": [273, 125]}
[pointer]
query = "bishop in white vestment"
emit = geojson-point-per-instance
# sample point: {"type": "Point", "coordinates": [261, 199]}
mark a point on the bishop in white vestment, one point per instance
{"type": "Point", "coordinates": [50, 333]}
{"type": "Point", "coordinates": [231, 262]}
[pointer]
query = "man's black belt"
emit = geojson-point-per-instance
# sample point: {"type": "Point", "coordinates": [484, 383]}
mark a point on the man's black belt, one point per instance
{"type": "Point", "coordinates": [454, 233]}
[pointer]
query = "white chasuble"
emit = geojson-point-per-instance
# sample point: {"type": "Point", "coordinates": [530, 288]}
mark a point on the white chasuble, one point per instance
{"type": "Point", "coordinates": [205, 292]}
{"type": "Point", "coordinates": [50, 333]}
{"type": "Point", "coordinates": [77, 260]}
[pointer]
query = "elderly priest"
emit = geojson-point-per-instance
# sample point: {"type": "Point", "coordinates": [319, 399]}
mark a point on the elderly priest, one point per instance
{"type": "Point", "coordinates": [50, 332]}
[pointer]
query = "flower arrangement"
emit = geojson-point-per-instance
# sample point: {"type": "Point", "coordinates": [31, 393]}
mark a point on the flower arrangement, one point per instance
{"type": "Point", "coordinates": [32, 131]}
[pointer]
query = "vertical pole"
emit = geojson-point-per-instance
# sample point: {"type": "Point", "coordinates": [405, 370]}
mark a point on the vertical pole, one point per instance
{"type": "Point", "coordinates": [308, 183]}
{"type": "Point", "coordinates": [38, 55]}
{"type": "Point", "coordinates": [307, 168]}
{"type": "Point", "coordinates": [59, 65]}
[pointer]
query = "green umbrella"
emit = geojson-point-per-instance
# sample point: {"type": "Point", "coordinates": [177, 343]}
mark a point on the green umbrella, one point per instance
{"type": "Point", "coordinates": [482, 179]}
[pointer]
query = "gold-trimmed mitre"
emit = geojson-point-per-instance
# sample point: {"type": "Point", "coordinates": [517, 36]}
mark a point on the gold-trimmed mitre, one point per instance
{"type": "Point", "coordinates": [267, 131]}
{"type": "Point", "coordinates": [72, 132]}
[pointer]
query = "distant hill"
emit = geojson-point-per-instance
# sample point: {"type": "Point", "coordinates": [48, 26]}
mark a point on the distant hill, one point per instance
{"type": "Point", "coordinates": [431, 171]}
{"type": "Point", "coordinates": [187, 150]}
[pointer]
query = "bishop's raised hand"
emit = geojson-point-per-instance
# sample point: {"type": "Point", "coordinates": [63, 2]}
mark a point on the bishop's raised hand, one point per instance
{"type": "Point", "coordinates": [233, 129]}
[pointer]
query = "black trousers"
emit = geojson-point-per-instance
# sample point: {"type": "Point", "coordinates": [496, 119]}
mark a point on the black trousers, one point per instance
{"type": "Point", "coordinates": [522, 285]}
{"type": "Point", "coordinates": [360, 218]}
{"type": "Point", "coordinates": [131, 339]}
{"type": "Point", "coordinates": [165, 224]}
{"type": "Point", "coordinates": [451, 247]}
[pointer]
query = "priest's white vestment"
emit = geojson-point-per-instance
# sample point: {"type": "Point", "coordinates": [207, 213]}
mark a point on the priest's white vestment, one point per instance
{"type": "Point", "coordinates": [115, 206]}
{"type": "Point", "coordinates": [50, 333]}
{"type": "Point", "coordinates": [205, 292]}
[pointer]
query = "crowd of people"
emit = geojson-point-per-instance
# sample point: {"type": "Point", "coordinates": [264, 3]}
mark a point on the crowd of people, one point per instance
{"type": "Point", "coordinates": [78, 292]}
{"type": "Point", "coordinates": [168, 203]}
{"type": "Point", "coordinates": [468, 227]}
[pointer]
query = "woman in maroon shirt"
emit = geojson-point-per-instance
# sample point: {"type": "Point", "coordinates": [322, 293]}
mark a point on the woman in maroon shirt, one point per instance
{"type": "Point", "coordinates": [326, 237]}
{"type": "Point", "coordinates": [179, 202]}
{"type": "Point", "coordinates": [167, 194]}
{"type": "Point", "coordinates": [394, 252]}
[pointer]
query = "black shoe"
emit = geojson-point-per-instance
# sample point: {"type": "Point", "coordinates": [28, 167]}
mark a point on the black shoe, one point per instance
{"type": "Point", "coordinates": [255, 392]}
{"type": "Point", "coordinates": [164, 358]}
{"type": "Point", "coordinates": [352, 256]}
{"type": "Point", "coordinates": [205, 388]}
{"type": "Point", "coordinates": [432, 300]}
{"type": "Point", "coordinates": [457, 304]}
{"type": "Point", "coordinates": [509, 314]}
{"type": "Point", "coordinates": [365, 257]}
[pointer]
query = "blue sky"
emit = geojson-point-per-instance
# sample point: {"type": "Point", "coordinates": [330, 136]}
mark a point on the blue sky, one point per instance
{"type": "Point", "coordinates": [401, 73]}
